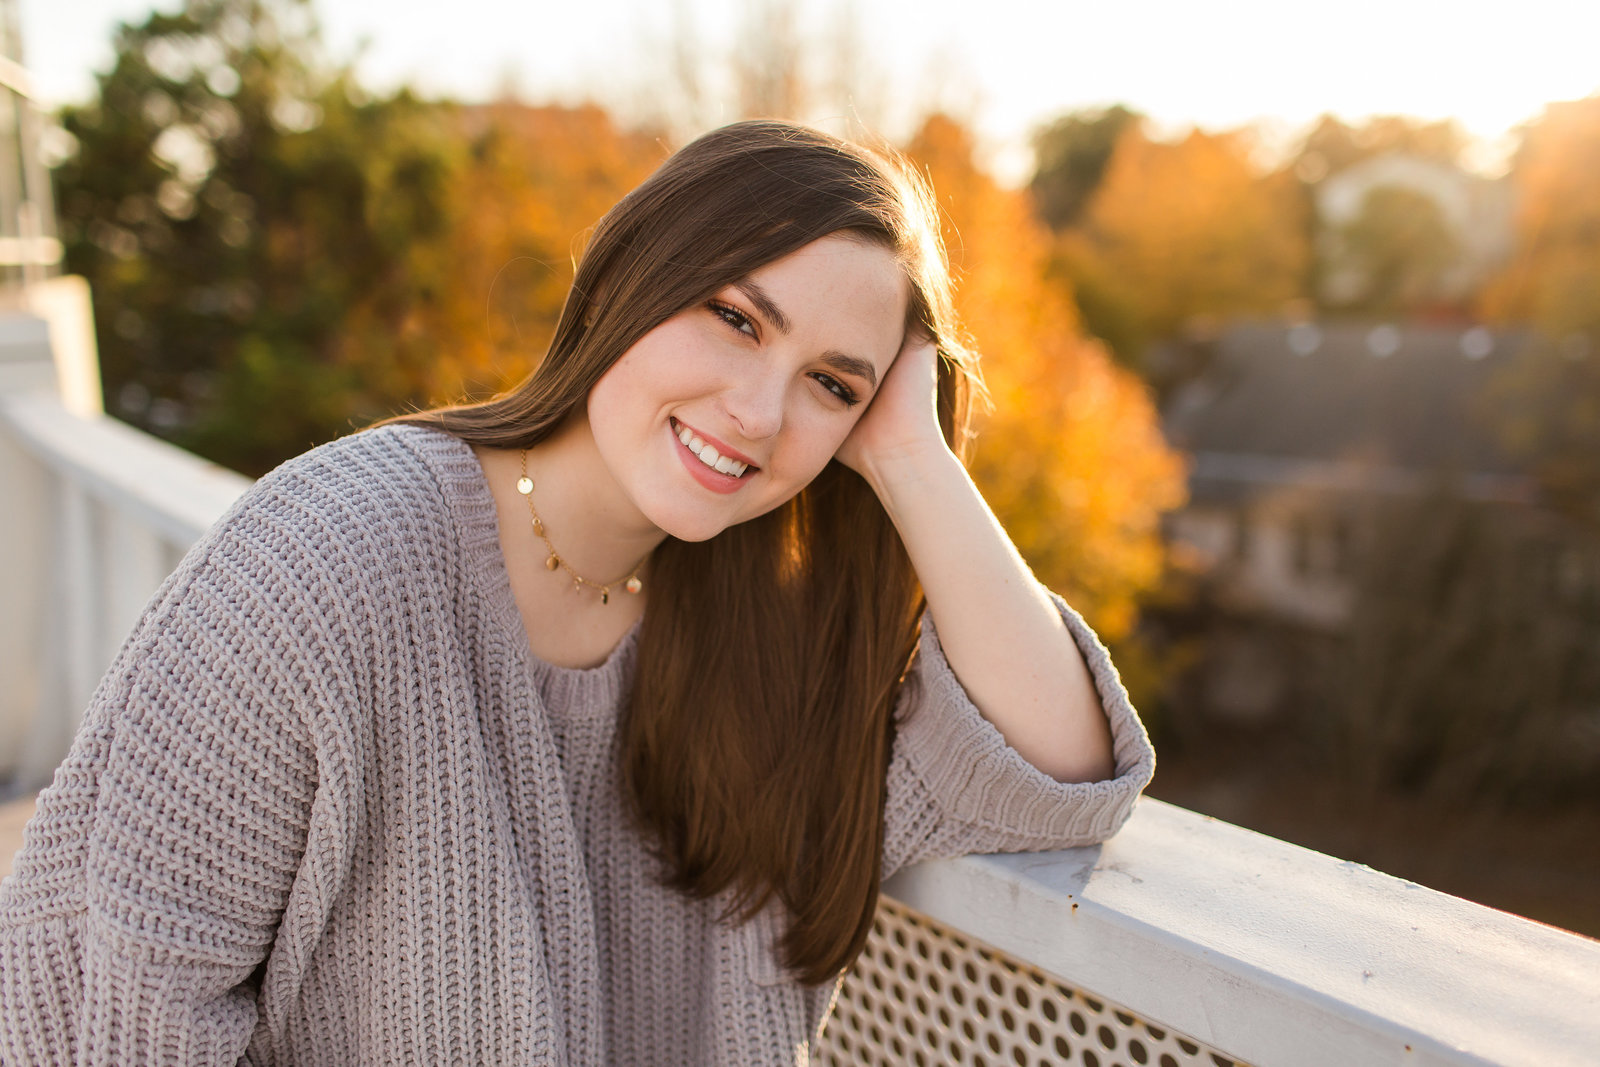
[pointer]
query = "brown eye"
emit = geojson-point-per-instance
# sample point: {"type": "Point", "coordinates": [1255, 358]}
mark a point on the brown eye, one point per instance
{"type": "Point", "coordinates": [733, 317]}
{"type": "Point", "coordinates": [838, 389]}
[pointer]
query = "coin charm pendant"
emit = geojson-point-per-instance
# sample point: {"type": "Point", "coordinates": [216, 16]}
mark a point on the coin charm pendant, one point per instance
{"type": "Point", "coordinates": [525, 485]}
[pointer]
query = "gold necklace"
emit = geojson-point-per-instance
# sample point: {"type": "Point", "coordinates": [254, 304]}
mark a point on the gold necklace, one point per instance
{"type": "Point", "coordinates": [630, 582]}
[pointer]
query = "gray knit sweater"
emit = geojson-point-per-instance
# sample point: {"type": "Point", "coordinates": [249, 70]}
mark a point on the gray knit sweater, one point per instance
{"type": "Point", "coordinates": [326, 808]}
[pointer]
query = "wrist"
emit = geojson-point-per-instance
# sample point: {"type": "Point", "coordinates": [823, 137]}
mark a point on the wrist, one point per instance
{"type": "Point", "coordinates": [898, 475]}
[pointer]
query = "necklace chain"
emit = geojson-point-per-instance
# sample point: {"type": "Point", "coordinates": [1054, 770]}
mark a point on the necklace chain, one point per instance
{"type": "Point", "coordinates": [553, 561]}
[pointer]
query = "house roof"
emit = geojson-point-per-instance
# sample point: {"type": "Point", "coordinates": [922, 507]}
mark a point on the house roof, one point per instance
{"type": "Point", "coordinates": [1347, 405]}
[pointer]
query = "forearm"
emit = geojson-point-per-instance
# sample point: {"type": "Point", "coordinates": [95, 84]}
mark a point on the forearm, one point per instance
{"type": "Point", "coordinates": [1001, 634]}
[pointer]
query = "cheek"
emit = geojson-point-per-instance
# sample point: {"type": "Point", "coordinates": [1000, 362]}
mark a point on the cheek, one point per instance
{"type": "Point", "coordinates": [816, 444]}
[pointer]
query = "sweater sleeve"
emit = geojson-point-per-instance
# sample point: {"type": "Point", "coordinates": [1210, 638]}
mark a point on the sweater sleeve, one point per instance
{"type": "Point", "coordinates": [200, 802]}
{"type": "Point", "coordinates": [956, 787]}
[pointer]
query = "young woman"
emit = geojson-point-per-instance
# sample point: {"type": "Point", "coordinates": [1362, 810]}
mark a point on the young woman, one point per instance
{"type": "Point", "coordinates": [579, 726]}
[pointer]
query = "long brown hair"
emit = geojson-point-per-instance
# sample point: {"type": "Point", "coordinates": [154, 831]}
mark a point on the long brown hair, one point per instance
{"type": "Point", "coordinates": [756, 742]}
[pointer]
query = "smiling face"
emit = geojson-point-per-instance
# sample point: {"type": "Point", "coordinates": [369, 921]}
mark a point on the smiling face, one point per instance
{"type": "Point", "coordinates": [731, 407]}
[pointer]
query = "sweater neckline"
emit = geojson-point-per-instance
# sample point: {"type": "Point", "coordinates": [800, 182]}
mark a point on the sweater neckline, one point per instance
{"type": "Point", "coordinates": [472, 511]}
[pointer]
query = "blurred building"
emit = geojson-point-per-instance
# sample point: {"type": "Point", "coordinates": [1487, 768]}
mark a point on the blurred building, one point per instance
{"type": "Point", "coordinates": [1402, 227]}
{"type": "Point", "coordinates": [29, 250]}
{"type": "Point", "coordinates": [1302, 437]}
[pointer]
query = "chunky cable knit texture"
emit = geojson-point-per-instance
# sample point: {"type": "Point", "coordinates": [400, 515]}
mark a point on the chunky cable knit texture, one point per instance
{"type": "Point", "coordinates": [326, 808]}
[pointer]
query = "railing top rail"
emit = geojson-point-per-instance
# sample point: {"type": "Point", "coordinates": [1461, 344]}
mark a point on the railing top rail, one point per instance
{"type": "Point", "coordinates": [1276, 953]}
{"type": "Point", "coordinates": [175, 493]}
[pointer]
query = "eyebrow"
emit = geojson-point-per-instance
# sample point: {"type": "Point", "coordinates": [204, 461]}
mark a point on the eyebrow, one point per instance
{"type": "Point", "coordinates": [851, 365]}
{"type": "Point", "coordinates": [765, 304]}
{"type": "Point", "coordinates": [770, 311]}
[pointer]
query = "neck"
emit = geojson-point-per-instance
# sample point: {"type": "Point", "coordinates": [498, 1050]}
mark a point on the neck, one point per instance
{"type": "Point", "coordinates": [595, 530]}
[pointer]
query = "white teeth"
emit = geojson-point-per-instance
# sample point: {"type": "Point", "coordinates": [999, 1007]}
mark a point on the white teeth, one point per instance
{"type": "Point", "coordinates": [709, 455]}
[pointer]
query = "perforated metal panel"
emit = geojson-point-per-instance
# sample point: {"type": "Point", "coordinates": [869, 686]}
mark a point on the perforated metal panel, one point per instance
{"type": "Point", "coordinates": [925, 995]}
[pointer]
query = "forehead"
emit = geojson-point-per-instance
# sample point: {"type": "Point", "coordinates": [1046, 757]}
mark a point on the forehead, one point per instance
{"type": "Point", "coordinates": [836, 286]}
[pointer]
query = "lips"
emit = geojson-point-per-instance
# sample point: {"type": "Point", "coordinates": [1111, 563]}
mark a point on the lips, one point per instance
{"type": "Point", "coordinates": [710, 461]}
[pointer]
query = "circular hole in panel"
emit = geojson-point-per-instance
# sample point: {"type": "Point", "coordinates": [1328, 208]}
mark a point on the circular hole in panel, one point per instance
{"type": "Point", "coordinates": [968, 1030]}
{"type": "Point", "coordinates": [875, 980]}
{"type": "Point", "coordinates": [920, 947]}
{"type": "Point", "coordinates": [1019, 1057]}
{"type": "Point", "coordinates": [1108, 1039]}
{"type": "Point", "coordinates": [1023, 998]}
{"type": "Point", "coordinates": [1155, 1032]}
{"type": "Point", "coordinates": [1090, 1059]}
{"type": "Point", "coordinates": [971, 971]}
{"type": "Point", "coordinates": [1050, 1011]}
{"type": "Point", "coordinates": [934, 982]}
{"type": "Point", "coordinates": [1189, 1046]}
{"type": "Point", "coordinates": [944, 1016]}
{"type": "Point", "coordinates": [1035, 1034]}
{"type": "Point", "coordinates": [996, 986]}
{"type": "Point", "coordinates": [1123, 1017]}
{"type": "Point", "coordinates": [981, 1006]}
{"type": "Point", "coordinates": [1094, 1005]}
{"type": "Point", "coordinates": [1222, 1061]}
{"type": "Point", "coordinates": [1063, 1049]}
{"type": "Point", "coordinates": [1008, 1022]}
{"type": "Point", "coordinates": [898, 1047]}
{"type": "Point", "coordinates": [1136, 1049]}
{"type": "Point", "coordinates": [946, 960]}
{"type": "Point", "coordinates": [1079, 1027]}
{"type": "Point", "coordinates": [922, 1004]}
{"type": "Point", "coordinates": [898, 936]}
{"type": "Point", "coordinates": [1167, 1060]}
{"type": "Point", "coordinates": [992, 1039]}
{"type": "Point", "coordinates": [959, 995]}
{"type": "Point", "coordinates": [919, 1058]}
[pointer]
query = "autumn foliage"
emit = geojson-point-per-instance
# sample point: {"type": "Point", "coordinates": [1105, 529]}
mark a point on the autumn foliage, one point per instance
{"type": "Point", "coordinates": [1553, 279]}
{"type": "Point", "coordinates": [1185, 231]}
{"type": "Point", "coordinates": [1071, 456]}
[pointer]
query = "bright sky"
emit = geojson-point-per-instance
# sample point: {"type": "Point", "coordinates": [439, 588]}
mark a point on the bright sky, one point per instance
{"type": "Point", "coordinates": [1007, 65]}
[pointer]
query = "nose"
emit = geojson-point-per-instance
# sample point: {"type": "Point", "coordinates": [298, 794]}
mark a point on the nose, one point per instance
{"type": "Point", "coordinates": [755, 403]}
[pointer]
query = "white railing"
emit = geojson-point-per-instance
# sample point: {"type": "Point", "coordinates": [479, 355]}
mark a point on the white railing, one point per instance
{"type": "Point", "coordinates": [1182, 941]}
{"type": "Point", "coordinates": [1254, 948]}
{"type": "Point", "coordinates": [95, 515]}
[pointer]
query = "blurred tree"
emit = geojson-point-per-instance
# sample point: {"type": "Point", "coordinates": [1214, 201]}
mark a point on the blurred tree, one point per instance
{"type": "Point", "coordinates": [1184, 231]}
{"type": "Point", "coordinates": [229, 200]}
{"type": "Point", "coordinates": [475, 304]}
{"type": "Point", "coordinates": [1072, 457]}
{"type": "Point", "coordinates": [1467, 669]}
{"type": "Point", "coordinates": [277, 258]}
{"type": "Point", "coordinates": [1399, 245]}
{"type": "Point", "coordinates": [774, 68]}
{"type": "Point", "coordinates": [1554, 274]}
{"type": "Point", "coordinates": [1332, 145]}
{"type": "Point", "coordinates": [1071, 154]}
{"type": "Point", "coordinates": [1547, 403]}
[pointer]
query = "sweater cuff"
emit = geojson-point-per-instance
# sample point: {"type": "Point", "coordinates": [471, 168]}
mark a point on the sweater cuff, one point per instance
{"type": "Point", "coordinates": [983, 781]}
